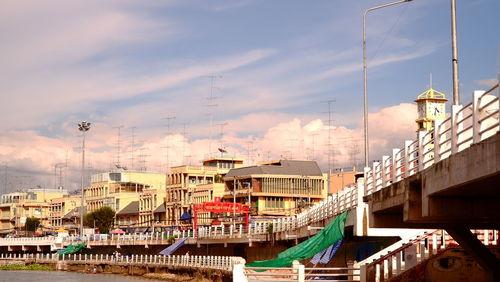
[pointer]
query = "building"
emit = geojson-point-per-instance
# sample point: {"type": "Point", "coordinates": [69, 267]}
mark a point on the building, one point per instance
{"type": "Point", "coordinates": [117, 189]}
{"type": "Point", "coordinates": [16, 207]}
{"type": "Point", "coordinates": [128, 217]}
{"type": "Point", "coordinates": [341, 178]}
{"type": "Point", "coordinates": [195, 184]}
{"type": "Point", "coordinates": [149, 200]}
{"type": "Point", "coordinates": [277, 188]}
{"type": "Point", "coordinates": [59, 210]}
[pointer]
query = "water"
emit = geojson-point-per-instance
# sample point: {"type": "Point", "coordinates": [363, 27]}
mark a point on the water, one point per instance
{"type": "Point", "coordinates": [62, 276]}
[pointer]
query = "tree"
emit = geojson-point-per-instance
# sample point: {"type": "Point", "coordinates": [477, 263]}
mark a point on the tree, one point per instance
{"type": "Point", "coordinates": [32, 224]}
{"type": "Point", "coordinates": [101, 218]}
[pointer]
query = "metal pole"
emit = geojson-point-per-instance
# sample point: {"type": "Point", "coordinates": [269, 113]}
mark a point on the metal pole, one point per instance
{"type": "Point", "coordinates": [365, 97]}
{"type": "Point", "coordinates": [83, 194]}
{"type": "Point", "coordinates": [454, 58]}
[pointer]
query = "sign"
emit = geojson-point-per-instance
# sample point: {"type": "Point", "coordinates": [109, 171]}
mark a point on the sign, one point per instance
{"type": "Point", "coordinates": [221, 207]}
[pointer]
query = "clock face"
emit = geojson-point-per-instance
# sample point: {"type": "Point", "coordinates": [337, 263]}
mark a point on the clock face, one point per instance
{"type": "Point", "coordinates": [435, 110]}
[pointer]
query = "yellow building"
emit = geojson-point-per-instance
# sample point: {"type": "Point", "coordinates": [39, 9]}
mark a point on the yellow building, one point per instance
{"type": "Point", "coordinates": [149, 200]}
{"type": "Point", "coordinates": [117, 189]}
{"type": "Point", "coordinates": [277, 188]}
{"type": "Point", "coordinates": [60, 207]}
{"type": "Point", "coordinates": [196, 184]}
{"type": "Point", "coordinates": [18, 206]}
{"type": "Point", "coordinates": [128, 217]}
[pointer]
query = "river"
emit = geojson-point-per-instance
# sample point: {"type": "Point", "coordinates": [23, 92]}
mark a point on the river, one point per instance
{"type": "Point", "coordinates": [63, 276]}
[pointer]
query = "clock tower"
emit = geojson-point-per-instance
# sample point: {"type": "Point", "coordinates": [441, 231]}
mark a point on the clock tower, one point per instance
{"type": "Point", "coordinates": [431, 107]}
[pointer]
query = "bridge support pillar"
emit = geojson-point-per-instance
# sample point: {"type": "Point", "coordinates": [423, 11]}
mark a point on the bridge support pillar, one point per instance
{"type": "Point", "coordinates": [480, 252]}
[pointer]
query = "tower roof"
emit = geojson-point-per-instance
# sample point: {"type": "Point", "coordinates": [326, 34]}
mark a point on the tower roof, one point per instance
{"type": "Point", "coordinates": [431, 94]}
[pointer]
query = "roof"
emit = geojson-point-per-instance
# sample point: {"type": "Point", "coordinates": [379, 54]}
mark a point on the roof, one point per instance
{"type": "Point", "coordinates": [74, 213]}
{"type": "Point", "coordinates": [132, 208]}
{"type": "Point", "coordinates": [160, 208]}
{"type": "Point", "coordinates": [282, 167]}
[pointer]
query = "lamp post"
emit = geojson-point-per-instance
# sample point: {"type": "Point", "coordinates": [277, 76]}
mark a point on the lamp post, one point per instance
{"type": "Point", "coordinates": [365, 98]}
{"type": "Point", "coordinates": [84, 126]}
{"type": "Point", "coordinates": [454, 53]}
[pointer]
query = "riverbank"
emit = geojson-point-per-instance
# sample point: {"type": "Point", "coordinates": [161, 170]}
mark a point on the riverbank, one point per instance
{"type": "Point", "coordinates": [33, 267]}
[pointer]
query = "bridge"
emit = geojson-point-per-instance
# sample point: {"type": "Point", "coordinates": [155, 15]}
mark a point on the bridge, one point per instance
{"type": "Point", "coordinates": [446, 179]}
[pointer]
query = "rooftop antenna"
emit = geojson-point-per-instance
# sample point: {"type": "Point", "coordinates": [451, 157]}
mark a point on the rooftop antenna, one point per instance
{"type": "Point", "coordinates": [5, 167]}
{"type": "Point", "coordinates": [184, 141]}
{"type": "Point", "coordinates": [132, 147]}
{"type": "Point", "coordinates": [291, 146]}
{"type": "Point", "coordinates": [249, 151]}
{"type": "Point", "coordinates": [329, 144]}
{"type": "Point", "coordinates": [221, 141]}
{"type": "Point", "coordinates": [58, 171]}
{"type": "Point", "coordinates": [312, 146]}
{"type": "Point", "coordinates": [168, 119]}
{"type": "Point", "coordinates": [118, 144]}
{"type": "Point", "coordinates": [211, 106]}
{"type": "Point", "coordinates": [142, 159]}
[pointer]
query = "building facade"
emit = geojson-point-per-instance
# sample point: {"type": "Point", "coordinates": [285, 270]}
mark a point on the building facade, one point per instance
{"type": "Point", "coordinates": [278, 188]}
{"type": "Point", "coordinates": [195, 184]}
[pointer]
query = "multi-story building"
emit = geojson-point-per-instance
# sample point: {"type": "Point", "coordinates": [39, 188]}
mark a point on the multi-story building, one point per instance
{"type": "Point", "coordinates": [149, 200]}
{"type": "Point", "coordinates": [277, 188]}
{"type": "Point", "coordinates": [117, 189]}
{"type": "Point", "coordinates": [195, 184]}
{"type": "Point", "coordinates": [16, 207]}
{"type": "Point", "coordinates": [59, 210]}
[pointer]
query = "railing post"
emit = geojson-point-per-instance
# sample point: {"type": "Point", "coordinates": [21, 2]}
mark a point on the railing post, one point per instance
{"type": "Point", "coordinates": [394, 165]}
{"type": "Point", "coordinates": [406, 166]}
{"type": "Point", "coordinates": [437, 141]}
{"type": "Point", "coordinates": [421, 150]}
{"type": "Point", "coordinates": [455, 116]}
{"type": "Point", "coordinates": [476, 116]}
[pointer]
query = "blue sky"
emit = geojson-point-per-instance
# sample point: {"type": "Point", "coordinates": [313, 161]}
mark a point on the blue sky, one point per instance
{"type": "Point", "coordinates": [133, 63]}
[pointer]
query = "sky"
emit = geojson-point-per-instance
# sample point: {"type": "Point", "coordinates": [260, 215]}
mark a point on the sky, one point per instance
{"type": "Point", "coordinates": [173, 81]}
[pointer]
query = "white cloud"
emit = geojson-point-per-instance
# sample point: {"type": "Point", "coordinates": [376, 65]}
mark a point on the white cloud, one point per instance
{"type": "Point", "coordinates": [280, 137]}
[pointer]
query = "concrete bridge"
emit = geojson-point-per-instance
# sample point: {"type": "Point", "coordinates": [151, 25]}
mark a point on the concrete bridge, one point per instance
{"type": "Point", "coordinates": [447, 178]}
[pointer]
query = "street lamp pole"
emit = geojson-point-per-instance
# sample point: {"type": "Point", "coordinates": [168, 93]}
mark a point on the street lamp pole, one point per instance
{"type": "Point", "coordinates": [454, 52]}
{"type": "Point", "coordinates": [365, 98]}
{"type": "Point", "coordinates": [84, 126]}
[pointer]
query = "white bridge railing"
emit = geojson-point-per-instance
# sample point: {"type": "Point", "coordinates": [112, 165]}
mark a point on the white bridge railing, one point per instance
{"type": "Point", "coordinates": [211, 262]}
{"type": "Point", "coordinates": [465, 126]}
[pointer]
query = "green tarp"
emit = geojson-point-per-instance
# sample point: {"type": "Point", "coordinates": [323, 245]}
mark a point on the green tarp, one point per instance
{"type": "Point", "coordinates": [72, 249]}
{"type": "Point", "coordinates": [329, 235]}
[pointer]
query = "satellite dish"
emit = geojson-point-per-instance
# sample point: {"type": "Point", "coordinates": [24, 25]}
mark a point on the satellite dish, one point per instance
{"type": "Point", "coordinates": [222, 150]}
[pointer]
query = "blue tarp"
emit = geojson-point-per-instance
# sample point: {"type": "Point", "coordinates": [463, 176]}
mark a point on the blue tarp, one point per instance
{"type": "Point", "coordinates": [172, 248]}
{"type": "Point", "coordinates": [327, 254]}
{"type": "Point", "coordinates": [185, 216]}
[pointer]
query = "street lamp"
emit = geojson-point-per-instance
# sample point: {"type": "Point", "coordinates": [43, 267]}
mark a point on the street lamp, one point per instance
{"type": "Point", "coordinates": [364, 73]}
{"type": "Point", "coordinates": [84, 126]}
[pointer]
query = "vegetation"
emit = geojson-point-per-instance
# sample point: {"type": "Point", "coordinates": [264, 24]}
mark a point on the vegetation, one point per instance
{"type": "Point", "coordinates": [32, 224]}
{"type": "Point", "coordinates": [171, 239]}
{"type": "Point", "coordinates": [25, 267]}
{"type": "Point", "coordinates": [101, 218]}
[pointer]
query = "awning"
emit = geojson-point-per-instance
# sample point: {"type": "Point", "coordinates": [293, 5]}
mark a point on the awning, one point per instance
{"type": "Point", "coordinates": [186, 216]}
